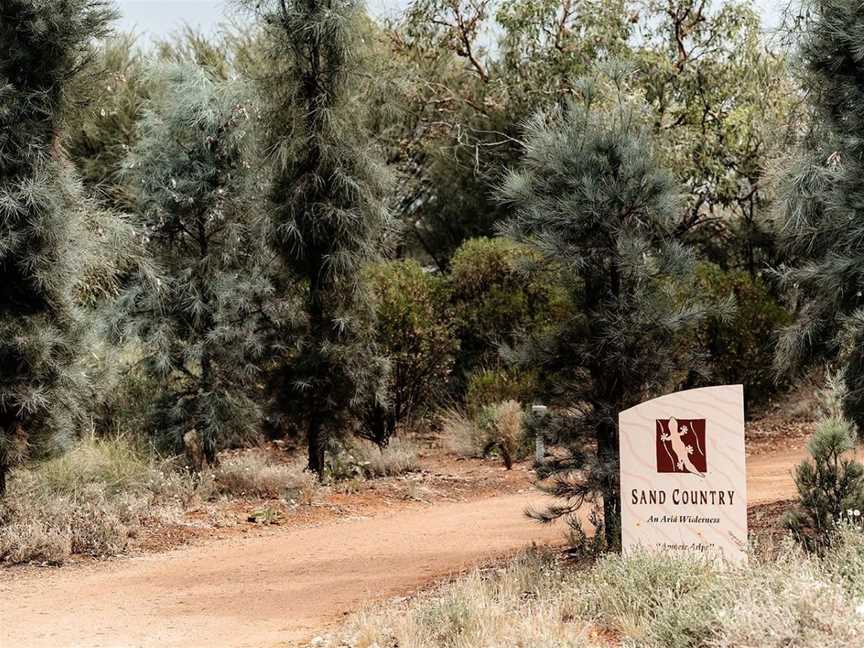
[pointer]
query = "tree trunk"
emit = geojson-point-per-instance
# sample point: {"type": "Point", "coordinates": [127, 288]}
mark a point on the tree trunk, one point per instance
{"type": "Point", "coordinates": [317, 433]}
{"type": "Point", "coordinates": [10, 434]}
{"type": "Point", "coordinates": [208, 441]}
{"type": "Point", "coordinates": [317, 441]}
{"type": "Point", "coordinates": [607, 454]}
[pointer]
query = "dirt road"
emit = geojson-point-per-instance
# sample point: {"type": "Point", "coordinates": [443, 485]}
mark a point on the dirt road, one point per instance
{"type": "Point", "coordinates": [268, 591]}
{"type": "Point", "coordinates": [261, 591]}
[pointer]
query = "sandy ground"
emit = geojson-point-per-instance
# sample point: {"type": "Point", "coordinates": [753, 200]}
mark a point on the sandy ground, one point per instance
{"type": "Point", "coordinates": [281, 587]}
{"type": "Point", "coordinates": [261, 591]}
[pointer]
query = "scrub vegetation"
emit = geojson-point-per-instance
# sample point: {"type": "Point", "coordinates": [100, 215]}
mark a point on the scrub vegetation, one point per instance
{"type": "Point", "coordinates": [781, 597]}
{"type": "Point", "coordinates": [291, 260]}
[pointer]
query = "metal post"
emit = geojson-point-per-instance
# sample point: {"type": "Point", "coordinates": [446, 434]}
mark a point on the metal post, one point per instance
{"type": "Point", "coordinates": [539, 441]}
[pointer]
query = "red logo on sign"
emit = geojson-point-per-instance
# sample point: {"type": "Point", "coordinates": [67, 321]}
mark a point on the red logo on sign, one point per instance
{"type": "Point", "coordinates": [681, 446]}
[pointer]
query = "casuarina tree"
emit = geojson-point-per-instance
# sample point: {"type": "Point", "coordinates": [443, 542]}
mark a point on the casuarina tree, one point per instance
{"type": "Point", "coordinates": [195, 312]}
{"type": "Point", "coordinates": [48, 234]}
{"type": "Point", "coordinates": [819, 220]}
{"type": "Point", "coordinates": [329, 218]}
{"type": "Point", "coordinates": [590, 197]}
{"type": "Point", "coordinates": [830, 485]}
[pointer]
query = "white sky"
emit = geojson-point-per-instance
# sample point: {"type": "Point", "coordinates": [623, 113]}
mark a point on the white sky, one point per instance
{"type": "Point", "coordinates": [155, 18]}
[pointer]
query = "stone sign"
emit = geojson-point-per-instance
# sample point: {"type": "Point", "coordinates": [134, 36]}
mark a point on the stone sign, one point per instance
{"type": "Point", "coordinates": [683, 478]}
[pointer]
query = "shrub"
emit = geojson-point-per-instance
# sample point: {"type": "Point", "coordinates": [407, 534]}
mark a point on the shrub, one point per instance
{"type": "Point", "coordinates": [415, 332]}
{"type": "Point", "coordinates": [497, 427]}
{"type": "Point", "coordinates": [459, 434]}
{"type": "Point", "coordinates": [256, 474]}
{"type": "Point", "coordinates": [741, 348]}
{"type": "Point", "coordinates": [128, 396]}
{"type": "Point", "coordinates": [360, 459]}
{"type": "Point", "coordinates": [502, 424]}
{"type": "Point", "coordinates": [398, 458]}
{"type": "Point", "coordinates": [500, 290]}
{"type": "Point", "coordinates": [830, 485]}
{"type": "Point", "coordinates": [489, 386]}
{"type": "Point", "coordinates": [117, 463]}
{"type": "Point", "coordinates": [38, 524]}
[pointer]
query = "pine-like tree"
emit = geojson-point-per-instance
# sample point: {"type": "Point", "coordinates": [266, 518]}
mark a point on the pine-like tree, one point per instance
{"type": "Point", "coordinates": [830, 487]}
{"type": "Point", "coordinates": [196, 317]}
{"type": "Point", "coordinates": [591, 197]}
{"type": "Point", "coordinates": [329, 218]}
{"type": "Point", "coordinates": [47, 232]}
{"type": "Point", "coordinates": [819, 221]}
{"type": "Point", "coordinates": [107, 100]}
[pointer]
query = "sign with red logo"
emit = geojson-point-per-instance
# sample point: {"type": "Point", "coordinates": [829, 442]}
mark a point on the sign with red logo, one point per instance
{"type": "Point", "coordinates": [683, 476]}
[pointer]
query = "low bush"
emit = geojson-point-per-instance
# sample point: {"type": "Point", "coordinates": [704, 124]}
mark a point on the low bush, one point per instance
{"type": "Point", "coordinates": [415, 331]}
{"type": "Point", "coordinates": [117, 463]}
{"type": "Point", "coordinates": [459, 434]}
{"type": "Point", "coordinates": [502, 425]}
{"type": "Point", "coordinates": [501, 290]}
{"type": "Point", "coordinates": [89, 501]}
{"type": "Point", "coordinates": [648, 600]}
{"type": "Point", "coordinates": [359, 459]}
{"type": "Point", "coordinates": [397, 458]}
{"type": "Point", "coordinates": [830, 485]}
{"type": "Point", "coordinates": [256, 474]}
{"type": "Point", "coordinates": [490, 386]}
{"type": "Point", "coordinates": [48, 528]}
{"type": "Point", "coordinates": [497, 428]}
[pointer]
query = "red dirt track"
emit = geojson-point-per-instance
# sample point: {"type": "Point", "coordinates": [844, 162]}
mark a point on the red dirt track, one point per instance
{"type": "Point", "coordinates": [281, 587]}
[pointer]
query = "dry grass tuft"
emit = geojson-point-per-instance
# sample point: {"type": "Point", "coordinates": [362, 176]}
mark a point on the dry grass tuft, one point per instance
{"type": "Point", "coordinates": [520, 605]}
{"type": "Point", "coordinates": [398, 458]}
{"type": "Point", "coordinates": [90, 501]}
{"type": "Point", "coordinates": [652, 601]}
{"type": "Point", "coordinates": [498, 427]}
{"type": "Point", "coordinates": [504, 429]}
{"type": "Point", "coordinates": [460, 435]}
{"type": "Point", "coordinates": [256, 474]}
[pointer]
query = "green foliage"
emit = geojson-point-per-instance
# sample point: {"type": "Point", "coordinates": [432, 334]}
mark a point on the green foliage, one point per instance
{"type": "Point", "coordinates": [818, 218]}
{"type": "Point", "coordinates": [723, 104]}
{"type": "Point", "coordinates": [830, 485]}
{"type": "Point", "coordinates": [119, 463]}
{"type": "Point", "coordinates": [591, 197]}
{"type": "Point", "coordinates": [414, 331]}
{"type": "Point", "coordinates": [741, 348]}
{"type": "Point", "coordinates": [53, 243]}
{"type": "Point", "coordinates": [195, 314]}
{"type": "Point", "coordinates": [490, 386]}
{"type": "Point", "coordinates": [720, 103]}
{"type": "Point", "coordinates": [500, 291]}
{"type": "Point", "coordinates": [326, 201]}
{"type": "Point", "coordinates": [108, 101]}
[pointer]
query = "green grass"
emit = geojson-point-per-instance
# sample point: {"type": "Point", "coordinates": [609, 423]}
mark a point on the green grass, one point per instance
{"type": "Point", "coordinates": [117, 463]}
